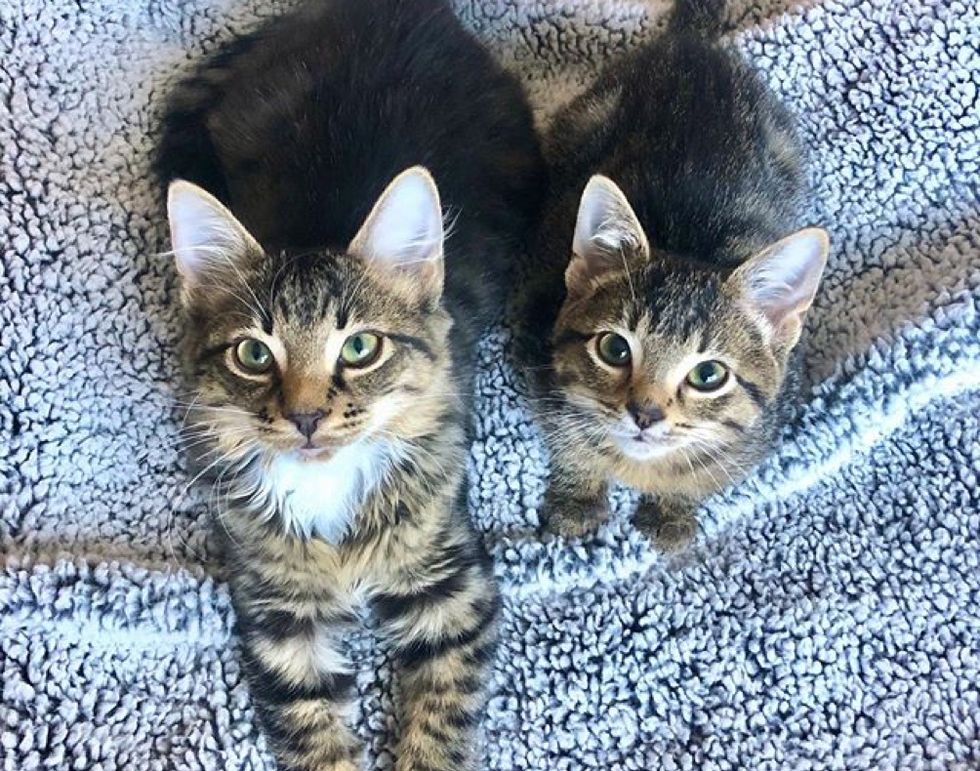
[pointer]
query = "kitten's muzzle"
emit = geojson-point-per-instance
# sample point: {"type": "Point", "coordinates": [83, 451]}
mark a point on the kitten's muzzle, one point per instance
{"type": "Point", "coordinates": [643, 432]}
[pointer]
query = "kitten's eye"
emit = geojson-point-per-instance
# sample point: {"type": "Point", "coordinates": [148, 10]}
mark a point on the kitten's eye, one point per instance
{"type": "Point", "coordinates": [254, 356]}
{"type": "Point", "coordinates": [361, 349]}
{"type": "Point", "coordinates": [708, 376]}
{"type": "Point", "coordinates": [614, 349]}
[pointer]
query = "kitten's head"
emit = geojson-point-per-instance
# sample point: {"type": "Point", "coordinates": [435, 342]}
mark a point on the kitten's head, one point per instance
{"type": "Point", "coordinates": [303, 355]}
{"type": "Point", "coordinates": [660, 355]}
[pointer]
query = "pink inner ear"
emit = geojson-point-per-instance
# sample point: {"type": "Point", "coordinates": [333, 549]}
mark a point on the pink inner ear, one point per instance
{"type": "Point", "coordinates": [606, 233]}
{"type": "Point", "coordinates": [205, 235]}
{"type": "Point", "coordinates": [405, 227]}
{"type": "Point", "coordinates": [782, 280]}
{"type": "Point", "coordinates": [401, 240]}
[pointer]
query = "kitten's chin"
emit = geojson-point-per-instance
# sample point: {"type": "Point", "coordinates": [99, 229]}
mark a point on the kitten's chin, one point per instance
{"type": "Point", "coordinates": [312, 454]}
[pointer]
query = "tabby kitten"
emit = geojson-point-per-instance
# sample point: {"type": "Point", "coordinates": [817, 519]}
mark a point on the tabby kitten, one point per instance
{"type": "Point", "coordinates": [329, 349]}
{"type": "Point", "coordinates": [663, 351]}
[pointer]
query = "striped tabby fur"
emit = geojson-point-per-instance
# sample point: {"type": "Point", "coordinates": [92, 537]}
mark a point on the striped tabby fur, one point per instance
{"type": "Point", "coordinates": [414, 558]}
{"type": "Point", "coordinates": [677, 182]}
{"type": "Point", "coordinates": [329, 337]}
{"type": "Point", "coordinates": [365, 506]}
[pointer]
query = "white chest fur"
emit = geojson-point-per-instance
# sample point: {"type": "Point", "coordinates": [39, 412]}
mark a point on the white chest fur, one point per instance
{"type": "Point", "coordinates": [322, 497]}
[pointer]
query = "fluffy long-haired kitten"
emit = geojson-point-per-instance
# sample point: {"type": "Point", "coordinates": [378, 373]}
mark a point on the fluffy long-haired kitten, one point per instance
{"type": "Point", "coordinates": [330, 325]}
{"type": "Point", "coordinates": [669, 282]}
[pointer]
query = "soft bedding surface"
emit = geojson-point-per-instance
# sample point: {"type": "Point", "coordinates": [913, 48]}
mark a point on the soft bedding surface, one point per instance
{"type": "Point", "coordinates": [826, 619]}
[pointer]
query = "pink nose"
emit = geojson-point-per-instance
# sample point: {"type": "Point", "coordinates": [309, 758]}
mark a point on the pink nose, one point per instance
{"type": "Point", "coordinates": [645, 415]}
{"type": "Point", "coordinates": [306, 422]}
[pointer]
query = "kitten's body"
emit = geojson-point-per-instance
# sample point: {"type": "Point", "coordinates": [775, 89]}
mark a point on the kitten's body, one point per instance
{"type": "Point", "coordinates": [709, 174]}
{"type": "Point", "coordinates": [298, 129]}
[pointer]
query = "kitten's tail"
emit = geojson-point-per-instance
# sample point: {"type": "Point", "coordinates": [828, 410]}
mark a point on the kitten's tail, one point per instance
{"type": "Point", "coordinates": [702, 18]}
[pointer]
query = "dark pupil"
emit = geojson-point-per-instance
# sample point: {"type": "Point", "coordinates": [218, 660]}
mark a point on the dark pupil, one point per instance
{"type": "Point", "coordinates": [707, 374]}
{"type": "Point", "coordinates": [617, 347]}
{"type": "Point", "coordinates": [256, 352]}
{"type": "Point", "coordinates": [358, 345]}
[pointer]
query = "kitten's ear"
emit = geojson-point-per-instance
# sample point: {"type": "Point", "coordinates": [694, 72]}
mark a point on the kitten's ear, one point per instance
{"type": "Point", "coordinates": [402, 237]}
{"type": "Point", "coordinates": [206, 237]}
{"type": "Point", "coordinates": [781, 281]}
{"type": "Point", "coordinates": [607, 233]}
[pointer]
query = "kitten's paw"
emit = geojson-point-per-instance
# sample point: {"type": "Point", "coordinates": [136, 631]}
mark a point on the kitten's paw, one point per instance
{"type": "Point", "coordinates": [670, 531]}
{"type": "Point", "coordinates": [572, 518]}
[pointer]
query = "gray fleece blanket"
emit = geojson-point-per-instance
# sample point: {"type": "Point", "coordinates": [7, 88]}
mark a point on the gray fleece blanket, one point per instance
{"type": "Point", "coordinates": [827, 618]}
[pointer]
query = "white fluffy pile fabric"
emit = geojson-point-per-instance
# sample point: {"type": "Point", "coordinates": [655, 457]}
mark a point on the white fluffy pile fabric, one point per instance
{"type": "Point", "coordinates": [827, 618]}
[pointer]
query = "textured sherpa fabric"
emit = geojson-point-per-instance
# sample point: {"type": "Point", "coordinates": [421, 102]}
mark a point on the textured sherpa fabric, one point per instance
{"type": "Point", "coordinates": [827, 618]}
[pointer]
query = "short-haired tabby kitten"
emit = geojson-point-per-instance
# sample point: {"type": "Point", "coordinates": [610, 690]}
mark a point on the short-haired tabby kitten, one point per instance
{"type": "Point", "coordinates": [661, 345]}
{"type": "Point", "coordinates": [329, 350]}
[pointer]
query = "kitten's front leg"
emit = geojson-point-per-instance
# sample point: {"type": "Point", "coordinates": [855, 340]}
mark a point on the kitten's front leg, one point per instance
{"type": "Point", "coordinates": [575, 502]}
{"type": "Point", "coordinates": [301, 684]}
{"type": "Point", "coordinates": [668, 522]}
{"type": "Point", "coordinates": [441, 618]}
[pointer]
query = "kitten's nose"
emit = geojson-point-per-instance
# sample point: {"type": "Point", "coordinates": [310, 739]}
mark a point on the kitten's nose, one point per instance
{"type": "Point", "coordinates": [645, 415]}
{"type": "Point", "coordinates": [306, 422]}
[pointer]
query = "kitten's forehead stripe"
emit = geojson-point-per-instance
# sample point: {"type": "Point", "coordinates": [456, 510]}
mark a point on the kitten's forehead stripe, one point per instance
{"type": "Point", "coordinates": [304, 287]}
{"type": "Point", "coordinates": [343, 314]}
{"type": "Point", "coordinates": [703, 342]}
{"type": "Point", "coordinates": [284, 309]}
{"type": "Point", "coordinates": [266, 322]}
{"type": "Point", "coordinates": [634, 314]}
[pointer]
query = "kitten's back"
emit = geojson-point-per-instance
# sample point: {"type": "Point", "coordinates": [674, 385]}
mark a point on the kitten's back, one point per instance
{"type": "Point", "coordinates": [706, 155]}
{"type": "Point", "coordinates": [300, 126]}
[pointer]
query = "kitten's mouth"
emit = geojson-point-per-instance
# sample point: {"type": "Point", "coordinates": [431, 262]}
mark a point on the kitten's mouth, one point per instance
{"type": "Point", "coordinates": [310, 452]}
{"type": "Point", "coordinates": [313, 453]}
{"type": "Point", "coordinates": [320, 449]}
{"type": "Point", "coordinates": [639, 445]}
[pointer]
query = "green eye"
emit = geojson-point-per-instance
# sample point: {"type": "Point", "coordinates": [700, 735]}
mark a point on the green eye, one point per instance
{"type": "Point", "coordinates": [708, 376]}
{"type": "Point", "coordinates": [254, 355]}
{"type": "Point", "coordinates": [361, 349]}
{"type": "Point", "coordinates": [614, 349]}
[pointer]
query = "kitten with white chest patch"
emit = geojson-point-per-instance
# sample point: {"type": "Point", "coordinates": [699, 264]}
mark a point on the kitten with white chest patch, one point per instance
{"type": "Point", "coordinates": [320, 497]}
{"type": "Point", "coordinates": [667, 288]}
{"type": "Point", "coordinates": [329, 341]}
